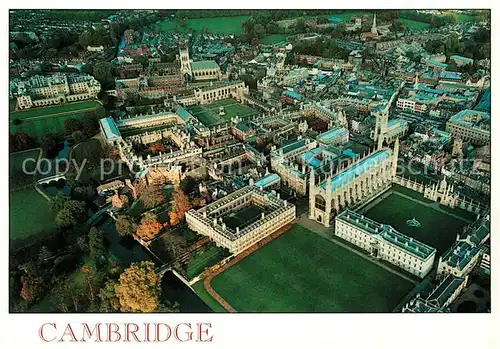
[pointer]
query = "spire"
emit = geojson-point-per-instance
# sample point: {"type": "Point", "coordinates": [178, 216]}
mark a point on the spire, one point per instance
{"type": "Point", "coordinates": [374, 26]}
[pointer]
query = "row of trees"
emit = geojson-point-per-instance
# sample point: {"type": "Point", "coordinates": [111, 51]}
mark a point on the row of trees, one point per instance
{"type": "Point", "coordinates": [324, 48]}
{"type": "Point", "coordinates": [82, 128]}
{"type": "Point", "coordinates": [102, 285]}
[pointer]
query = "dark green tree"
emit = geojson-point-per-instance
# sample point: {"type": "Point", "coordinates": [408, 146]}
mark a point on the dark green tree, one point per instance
{"type": "Point", "coordinates": [96, 244]}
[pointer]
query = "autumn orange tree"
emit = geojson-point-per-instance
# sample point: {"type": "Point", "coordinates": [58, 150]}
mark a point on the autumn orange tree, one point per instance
{"type": "Point", "coordinates": [125, 225]}
{"type": "Point", "coordinates": [31, 287]}
{"type": "Point", "coordinates": [152, 196]}
{"type": "Point", "coordinates": [157, 147]}
{"type": "Point", "coordinates": [149, 226]}
{"type": "Point", "coordinates": [180, 207]}
{"type": "Point", "coordinates": [138, 289]}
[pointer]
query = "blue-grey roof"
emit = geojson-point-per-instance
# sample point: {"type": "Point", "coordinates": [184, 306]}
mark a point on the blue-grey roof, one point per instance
{"type": "Point", "coordinates": [484, 104]}
{"type": "Point", "coordinates": [462, 58]}
{"type": "Point", "coordinates": [268, 180]}
{"type": "Point", "coordinates": [394, 122]}
{"type": "Point", "coordinates": [109, 128]}
{"type": "Point", "coordinates": [445, 290]}
{"type": "Point", "coordinates": [293, 94]}
{"type": "Point", "coordinates": [459, 118]}
{"type": "Point", "coordinates": [204, 65]}
{"type": "Point", "coordinates": [350, 153]}
{"type": "Point", "coordinates": [330, 135]}
{"type": "Point", "coordinates": [460, 254]}
{"type": "Point", "coordinates": [295, 145]}
{"type": "Point", "coordinates": [436, 63]}
{"type": "Point", "coordinates": [184, 114]}
{"type": "Point", "coordinates": [450, 75]}
{"type": "Point", "coordinates": [310, 157]}
{"type": "Point", "coordinates": [358, 169]}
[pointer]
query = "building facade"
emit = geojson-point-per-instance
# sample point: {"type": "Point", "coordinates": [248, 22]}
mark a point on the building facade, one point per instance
{"type": "Point", "coordinates": [210, 220]}
{"type": "Point", "coordinates": [384, 242]}
{"type": "Point", "coordinates": [470, 126]}
{"type": "Point", "coordinates": [361, 180]}
{"type": "Point", "coordinates": [40, 91]}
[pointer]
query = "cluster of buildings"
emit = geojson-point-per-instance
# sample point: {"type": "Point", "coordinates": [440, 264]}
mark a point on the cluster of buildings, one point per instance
{"type": "Point", "coordinates": [41, 91]}
{"type": "Point", "coordinates": [328, 131]}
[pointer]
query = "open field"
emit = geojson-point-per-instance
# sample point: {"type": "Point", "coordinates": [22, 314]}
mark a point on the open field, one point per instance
{"type": "Point", "coordinates": [272, 39]}
{"type": "Point", "coordinates": [208, 114]}
{"type": "Point", "coordinates": [437, 229]}
{"type": "Point", "coordinates": [303, 272]}
{"type": "Point", "coordinates": [29, 214]}
{"type": "Point", "coordinates": [17, 159]}
{"type": "Point", "coordinates": [38, 121]}
{"type": "Point", "coordinates": [217, 25]}
{"type": "Point", "coordinates": [410, 24]}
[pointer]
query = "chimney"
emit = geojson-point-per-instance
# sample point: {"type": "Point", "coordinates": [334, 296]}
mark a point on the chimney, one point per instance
{"type": "Point", "coordinates": [262, 215]}
{"type": "Point", "coordinates": [237, 230]}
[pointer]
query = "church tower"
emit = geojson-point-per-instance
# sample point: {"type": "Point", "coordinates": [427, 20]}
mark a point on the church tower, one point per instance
{"type": "Point", "coordinates": [457, 148]}
{"type": "Point", "coordinates": [374, 27]}
{"type": "Point", "coordinates": [415, 85]}
{"type": "Point", "coordinates": [341, 118]}
{"type": "Point", "coordinates": [184, 58]}
{"type": "Point", "coordinates": [381, 118]}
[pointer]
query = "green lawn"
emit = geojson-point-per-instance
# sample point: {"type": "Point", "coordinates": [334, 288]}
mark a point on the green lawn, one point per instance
{"type": "Point", "coordinates": [272, 39]}
{"type": "Point", "coordinates": [345, 16]}
{"type": "Point", "coordinates": [53, 110]}
{"type": "Point", "coordinates": [206, 258]}
{"type": "Point", "coordinates": [463, 17]}
{"type": "Point", "coordinates": [90, 150]}
{"type": "Point", "coordinates": [303, 272]}
{"type": "Point", "coordinates": [244, 217]}
{"type": "Point", "coordinates": [409, 192]}
{"type": "Point", "coordinates": [437, 229]}
{"type": "Point", "coordinates": [410, 24]}
{"type": "Point", "coordinates": [217, 25]}
{"type": "Point", "coordinates": [29, 214]}
{"type": "Point", "coordinates": [38, 121]}
{"type": "Point", "coordinates": [208, 113]}
{"type": "Point", "coordinates": [17, 159]}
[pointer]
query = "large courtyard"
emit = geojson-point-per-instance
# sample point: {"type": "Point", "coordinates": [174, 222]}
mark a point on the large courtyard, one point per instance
{"type": "Point", "coordinates": [438, 227]}
{"type": "Point", "coordinates": [244, 217]}
{"type": "Point", "coordinates": [208, 114]}
{"type": "Point", "coordinates": [303, 272]}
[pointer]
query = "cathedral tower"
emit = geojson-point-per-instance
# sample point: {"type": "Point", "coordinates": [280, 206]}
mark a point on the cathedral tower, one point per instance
{"type": "Point", "coordinates": [184, 58]}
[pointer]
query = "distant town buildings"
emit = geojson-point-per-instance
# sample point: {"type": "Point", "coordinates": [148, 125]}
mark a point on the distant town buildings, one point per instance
{"type": "Point", "coordinates": [470, 125]}
{"type": "Point", "coordinates": [39, 91]}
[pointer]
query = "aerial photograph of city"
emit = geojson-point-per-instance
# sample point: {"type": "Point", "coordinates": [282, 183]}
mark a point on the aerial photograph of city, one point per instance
{"type": "Point", "coordinates": [249, 161]}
